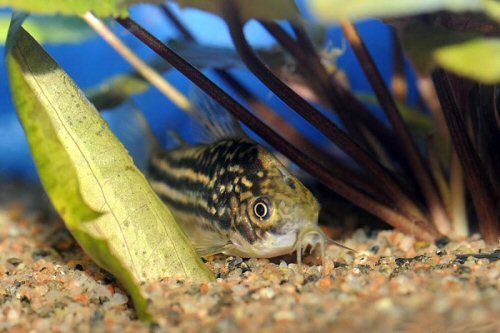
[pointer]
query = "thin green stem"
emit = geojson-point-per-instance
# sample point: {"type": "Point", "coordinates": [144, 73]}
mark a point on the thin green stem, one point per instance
{"type": "Point", "coordinates": [149, 73]}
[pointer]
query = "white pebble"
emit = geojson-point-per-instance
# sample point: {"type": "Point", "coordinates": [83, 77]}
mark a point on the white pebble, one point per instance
{"type": "Point", "coordinates": [118, 299]}
{"type": "Point", "coordinates": [284, 315]}
{"type": "Point", "coordinates": [266, 293]}
{"type": "Point", "coordinates": [384, 305]}
{"type": "Point", "coordinates": [12, 316]}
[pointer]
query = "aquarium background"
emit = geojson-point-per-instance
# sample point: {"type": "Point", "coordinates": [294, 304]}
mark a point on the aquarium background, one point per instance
{"type": "Point", "coordinates": [92, 61]}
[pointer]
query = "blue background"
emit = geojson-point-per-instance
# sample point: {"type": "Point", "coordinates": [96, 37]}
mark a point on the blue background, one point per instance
{"type": "Point", "coordinates": [93, 61]}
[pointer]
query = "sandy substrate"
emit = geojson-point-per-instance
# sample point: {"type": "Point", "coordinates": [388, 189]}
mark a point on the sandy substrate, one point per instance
{"type": "Point", "coordinates": [392, 284]}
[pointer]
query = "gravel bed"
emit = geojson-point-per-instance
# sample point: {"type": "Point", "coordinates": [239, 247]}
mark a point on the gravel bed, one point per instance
{"type": "Point", "coordinates": [392, 283]}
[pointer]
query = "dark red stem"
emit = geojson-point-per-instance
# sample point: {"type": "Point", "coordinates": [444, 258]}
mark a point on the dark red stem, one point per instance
{"type": "Point", "coordinates": [420, 229]}
{"type": "Point", "coordinates": [480, 187]}
{"type": "Point", "coordinates": [415, 160]}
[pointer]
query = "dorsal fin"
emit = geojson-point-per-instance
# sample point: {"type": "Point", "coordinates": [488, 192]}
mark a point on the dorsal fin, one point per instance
{"type": "Point", "coordinates": [133, 130]}
{"type": "Point", "coordinates": [212, 121]}
{"type": "Point", "coordinates": [173, 140]}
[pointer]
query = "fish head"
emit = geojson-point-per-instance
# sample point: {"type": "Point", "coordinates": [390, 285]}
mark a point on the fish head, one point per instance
{"type": "Point", "coordinates": [272, 208]}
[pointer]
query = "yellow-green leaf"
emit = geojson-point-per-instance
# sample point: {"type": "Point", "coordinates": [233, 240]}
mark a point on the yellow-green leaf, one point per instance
{"type": "Point", "coordinates": [493, 9]}
{"type": "Point", "coordinates": [478, 59]}
{"type": "Point", "coordinates": [261, 9]}
{"type": "Point", "coordinates": [105, 201]}
{"type": "Point", "coordinates": [73, 7]}
{"type": "Point", "coordinates": [51, 29]}
{"type": "Point", "coordinates": [336, 10]}
{"type": "Point", "coordinates": [422, 40]}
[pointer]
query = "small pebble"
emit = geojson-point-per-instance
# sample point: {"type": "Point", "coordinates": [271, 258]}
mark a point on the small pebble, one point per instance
{"type": "Point", "coordinates": [204, 288]}
{"type": "Point", "coordinates": [39, 254]}
{"type": "Point", "coordinates": [384, 305]}
{"type": "Point", "coordinates": [325, 283]}
{"type": "Point", "coordinates": [118, 299]}
{"type": "Point", "coordinates": [284, 315]}
{"type": "Point", "coordinates": [14, 261]}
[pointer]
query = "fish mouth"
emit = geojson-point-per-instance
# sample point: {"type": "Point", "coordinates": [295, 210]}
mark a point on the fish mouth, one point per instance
{"type": "Point", "coordinates": [267, 247]}
{"type": "Point", "coordinates": [310, 236]}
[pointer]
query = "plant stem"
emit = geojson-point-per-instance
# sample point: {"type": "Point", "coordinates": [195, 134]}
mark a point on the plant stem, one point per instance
{"type": "Point", "coordinates": [429, 97]}
{"type": "Point", "coordinates": [419, 228]}
{"type": "Point", "coordinates": [399, 80]}
{"type": "Point", "coordinates": [458, 207]}
{"type": "Point", "coordinates": [375, 134]}
{"type": "Point", "coordinates": [479, 185]}
{"type": "Point", "coordinates": [322, 123]}
{"type": "Point", "coordinates": [340, 99]}
{"type": "Point", "coordinates": [177, 23]}
{"type": "Point", "coordinates": [489, 134]}
{"type": "Point", "coordinates": [336, 165]}
{"type": "Point", "coordinates": [143, 68]}
{"type": "Point", "coordinates": [415, 160]}
{"type": "Point", "coordinates": [323, 83]}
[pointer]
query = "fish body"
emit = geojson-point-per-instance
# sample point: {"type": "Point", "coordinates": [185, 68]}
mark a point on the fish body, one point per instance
{"type": "Point", "coordinates": [228, 193]}
{"type": "Point", "coordinates": [233, 196]}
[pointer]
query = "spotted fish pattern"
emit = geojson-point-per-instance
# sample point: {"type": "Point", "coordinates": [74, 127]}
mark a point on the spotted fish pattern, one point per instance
{"type": "Point", "coordinates": [233, 196]}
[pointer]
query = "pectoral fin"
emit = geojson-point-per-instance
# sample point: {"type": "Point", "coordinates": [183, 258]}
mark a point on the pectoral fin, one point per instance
{"type": "Point", "coordinates": [211, 250]}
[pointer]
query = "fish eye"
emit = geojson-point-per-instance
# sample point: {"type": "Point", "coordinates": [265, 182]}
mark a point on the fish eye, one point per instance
{"type": "Point", "coordinates": [261, 209]}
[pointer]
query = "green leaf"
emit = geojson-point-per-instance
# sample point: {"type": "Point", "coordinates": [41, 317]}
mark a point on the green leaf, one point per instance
{"type": "Point", "coordinates": [478, 59]}
{"type": "Point", "coordinates": [452, 41]}
{"type": "Point", "coordinates": [422, 40]}
{"type": "Point", "coordinates": [51, 30]}
{"type": "Point", "coordinates": [493, 9]}
{"type": "Point", "coordinates": [261, 9]}
{"type": "Point", "coordinates": [464, 53]}
{"type": "Point", "coordinates": [72, 7]}
{"type": "Point", "coordinates": [336, 10]}
{"type": "Point", "coordinates": [105, 201]}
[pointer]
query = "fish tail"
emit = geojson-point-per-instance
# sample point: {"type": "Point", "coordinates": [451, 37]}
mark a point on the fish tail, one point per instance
{"type": "Point", "coordinates": [134, 131]}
